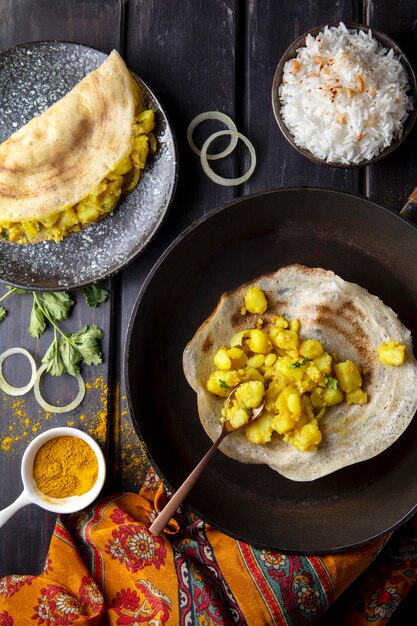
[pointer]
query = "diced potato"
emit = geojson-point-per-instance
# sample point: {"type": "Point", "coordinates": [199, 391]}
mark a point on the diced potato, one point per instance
{"type": "Point", "coordinates": [280, 322]}
{"type": "Point", "coordinates": [109, 198]}
{"type": "Point", "coordinates": [259, 342]}
{"type": "Point", "coordinates": [295, 325]}
{"type": "Point", "coordinates": [316, 398]}
{"type": "Point", "coordinates": [222, 360]}
{"type": "Point", "coordinates": [283, 368]}
{"type": "Point", "coordinates": [270, 359]}
{"type": "Point", "coordinates": [51, 219]}
{"type": "Point", "coordinates": [314, 373]}
{"type": "Point", "coordinates": [285, 339]}
{"type": "Point", "coordinates": [255, 301]}
{"type": "Point", "coordinates": [250, 394]}
{"type": "Point", "coordinates": [256, 361]}
{"type": "Point", "coordinates": [358, 396]}
{"type": "Point", "coordinates": [68, 218]}
{"type": "Point", "coordinates": [123, 167]}
{"type": "Point", "coordinates": [307, 438]}
{"type": "Point", "coordinates": [294, 404]}
{"type": "Point", "coordinates": [260, 431]}
{"type": "Point", "coordinates": [324, 363]}
{"type": "Point", "coordinates": [305, 385]}
{"type": "Point", "coordinates": [391, 353]}
{"type": "Point", "coordinates": [31, 228]}
{"type": "Point", "coordinates": [140, 151]}
{"type": "Point", "coordinates": [236, 415]}
{"type": "Point", "coordinates": [87, 211]}
{"type": "Point", "coordinates": [311, 348]}
{"type": "Point", "coordinates": [221, 382]}
{"type": "Point", "coordinates": [237, 357]}
{"type": "Point", "coordinates": [251, 373]}
{"type": "Point", "coordinates": [348, 376]}
{"type": "Point", "coordinates": [283, 423]}
{"type": "Point", "coordinates": [332, 396]}
{"type": "Point", "coordinates": [145, 122]}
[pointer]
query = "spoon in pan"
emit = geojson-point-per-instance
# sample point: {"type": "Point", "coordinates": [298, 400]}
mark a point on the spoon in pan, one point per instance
{"type": "Point", "coordinates": [170, 508]}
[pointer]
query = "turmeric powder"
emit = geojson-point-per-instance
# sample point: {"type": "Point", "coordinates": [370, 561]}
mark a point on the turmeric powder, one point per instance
{"type": "Point", "coordinates": [64, 467]}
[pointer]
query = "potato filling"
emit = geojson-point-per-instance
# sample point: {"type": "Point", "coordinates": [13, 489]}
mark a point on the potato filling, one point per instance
{"type": "Point", "coordinates": [101, 200]}
{"type": "Point", "coordinates": [298, 376]}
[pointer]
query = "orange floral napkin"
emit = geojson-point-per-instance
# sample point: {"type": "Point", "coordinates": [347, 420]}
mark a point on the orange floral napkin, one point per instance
{"type": "Point", "coordinates": [105, 567]}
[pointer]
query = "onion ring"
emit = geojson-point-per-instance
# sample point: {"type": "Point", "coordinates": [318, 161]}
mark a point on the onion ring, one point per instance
{"type": "Point", "coordinates": [4, 385]}
{"type": "Point", "coordinates": [227, 182]}
{"type": "Point", "coordinates": [213, 115]}
{"type": "Point", "coordinates": [57, 409]}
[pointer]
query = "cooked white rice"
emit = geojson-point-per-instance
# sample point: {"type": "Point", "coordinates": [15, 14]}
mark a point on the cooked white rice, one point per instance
{"type": "Point", "coordinates": [344, 96]}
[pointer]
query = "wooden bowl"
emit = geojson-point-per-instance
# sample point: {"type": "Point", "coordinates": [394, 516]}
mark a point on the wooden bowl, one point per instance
{"type": "Point", "coordinates": [291, 53]}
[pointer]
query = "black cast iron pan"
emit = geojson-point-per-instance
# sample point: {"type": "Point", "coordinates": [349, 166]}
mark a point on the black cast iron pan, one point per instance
{"type": "Point", "coordinates": [357, 239]}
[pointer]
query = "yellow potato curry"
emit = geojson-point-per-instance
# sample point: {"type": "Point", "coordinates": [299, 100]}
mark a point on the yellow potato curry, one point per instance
{"type": "Point", "coordinates": [299, 378]}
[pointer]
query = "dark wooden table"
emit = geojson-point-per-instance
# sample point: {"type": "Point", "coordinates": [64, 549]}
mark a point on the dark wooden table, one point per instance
{"type": "Point", "coordinates": [197, 55]}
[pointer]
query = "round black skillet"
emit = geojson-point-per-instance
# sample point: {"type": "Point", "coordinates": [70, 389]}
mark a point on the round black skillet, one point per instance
{"type": "Point", "coordinates": [357, 239]}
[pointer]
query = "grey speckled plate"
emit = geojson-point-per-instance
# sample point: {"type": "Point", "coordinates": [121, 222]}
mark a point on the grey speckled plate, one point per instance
{"type": "Point", "coordinates": [32, 77]}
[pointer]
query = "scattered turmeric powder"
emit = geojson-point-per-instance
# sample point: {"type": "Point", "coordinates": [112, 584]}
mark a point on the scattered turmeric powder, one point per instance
{"type": "Point", "coordinates": [64, 467]}
{"type": "Point", "coordinates": [26, 418]}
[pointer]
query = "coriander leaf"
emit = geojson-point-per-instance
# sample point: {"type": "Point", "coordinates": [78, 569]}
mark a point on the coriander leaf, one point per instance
{"type": "Point", "coordinates": [331, 383]}
{"type": "Point", "coordinates": [86, 342]}
{"type": "Point", "coordinates": [95, 295]}
{"type": "Point", "coordinates": [53, 358]}
{"type": "Point", "coordinates": [223, 384]}
{"type": "Point", "coordinates": [299, 363]}
{"type": "Point", "coordinates": [16, 290]}
{"type": "Point", "coordinates": [57, 304]}
{"type": "Point", "coordinates": [70, 356]}
{"type": "Point", "coordinates": [3, 313]}
{"type": "Point", "coordinates": [37, 324]}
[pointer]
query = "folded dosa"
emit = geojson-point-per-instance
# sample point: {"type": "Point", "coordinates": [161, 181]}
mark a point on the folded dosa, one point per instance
{"type": "Point", "coordinates": [57, 158]}
{"type": "Point", "coordinates": [347, 320]}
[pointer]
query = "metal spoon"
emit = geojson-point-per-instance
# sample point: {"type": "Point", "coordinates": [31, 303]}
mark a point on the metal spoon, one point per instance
{"type": "Point", "coordinates": [170, 508]}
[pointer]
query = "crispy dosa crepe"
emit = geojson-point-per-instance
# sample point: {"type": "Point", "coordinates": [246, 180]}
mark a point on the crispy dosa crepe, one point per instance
{"type": "Point", "coordinates": [347, 320]}
{"type": "Point", "coordinates": [63, 154]}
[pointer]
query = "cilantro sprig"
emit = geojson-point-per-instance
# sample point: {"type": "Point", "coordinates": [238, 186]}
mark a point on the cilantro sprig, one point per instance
{"type": "Point", "coordinates": [67, 350]}
{"type": "Point", "coordinates": [95, 295]}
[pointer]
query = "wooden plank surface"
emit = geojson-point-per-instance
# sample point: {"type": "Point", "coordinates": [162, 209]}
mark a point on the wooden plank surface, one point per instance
{"type": "Point", "coordinates": [96, 24]}
{"type": "Point", "coordinates": [393, 179]}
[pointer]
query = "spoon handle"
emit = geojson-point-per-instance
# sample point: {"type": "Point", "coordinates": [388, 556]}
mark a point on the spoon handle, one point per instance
{"type": "Point", "coordinates": [10, 510]}
{"type": "Point", "coordinates": [179, 496]}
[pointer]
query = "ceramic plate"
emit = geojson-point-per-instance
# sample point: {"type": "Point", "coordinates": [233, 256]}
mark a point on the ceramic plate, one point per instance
{"type": "Point", "coordinates": [32, 77]}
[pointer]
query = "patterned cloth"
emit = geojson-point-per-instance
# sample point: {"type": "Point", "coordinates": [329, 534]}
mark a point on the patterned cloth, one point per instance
{"type": "Point", "coordinates": [105, 567]}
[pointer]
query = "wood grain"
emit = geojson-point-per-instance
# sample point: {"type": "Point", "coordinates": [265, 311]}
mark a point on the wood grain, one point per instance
{"type": "Point", "coordinates": [395, 177]}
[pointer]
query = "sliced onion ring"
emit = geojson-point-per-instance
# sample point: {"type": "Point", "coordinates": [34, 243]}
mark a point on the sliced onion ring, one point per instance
{"type": "Point", "coordinates": [213, 115]}
{"type": "Point", "coordinates": [227, 182]}
{"type": "Point", "coordinates": [4, 385]}
{"type": "Point", "coordinates": [58, 409]}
